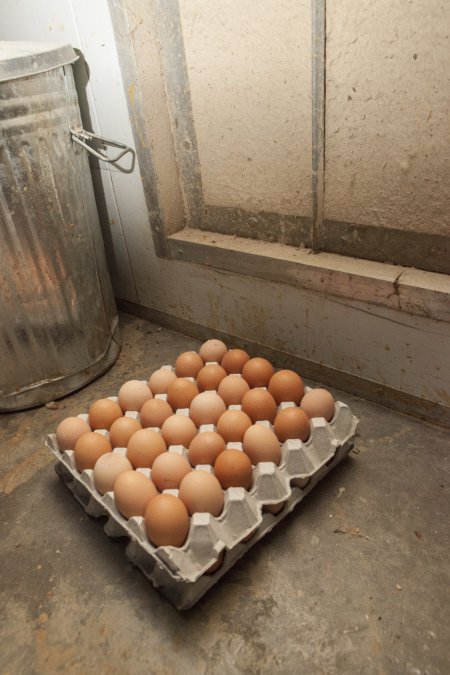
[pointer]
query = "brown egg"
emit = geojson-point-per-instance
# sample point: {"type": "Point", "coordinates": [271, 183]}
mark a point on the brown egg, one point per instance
{"type": "Point", "coordinates": [274, 509]}
{"type": "Point", "coordinates": [209, 377]}
{"type": "Point", "coordinates": [178, 430]}
{"type": "Point", "coordinates": [212, 350]}
{"type": "Point", "coordinates": [286, 385]}
{"type": "Point", "coordinates": [261, 445]}
{"type": "Point", "coordinates": [154, 413]}
{"type": "Point", "coordinates": [181, 392]}
{"type": "Point", "coordinates": [132, 493]}
{"type": "Point", "coordinates": [69, 431]}
{"type": "Point", "coordinates": [168, 471]}
{"type": "Point", "coordinates": [166, 521]}
{"type": "Point", "coordinates": [160, 380]}
{"type": "Point", "coordinates": [106, 470]}
{"type": "Point", "coordinates": [133, 394]}
{"type": "Point", "coordinates": [232, 425]}
{"type": "Point", "coordinates": [233, 468]}
{"type": "Point", "coordinates": [292, 423]}
{"type": "Point", "coordinates": [318, 403]}
{"type": "Point", "coordinates": [103, 413]}
{"type": "Point", "coordinates": [234, 360]}
{"type": "Point", "coordinates": [257, 372]}
{"type": "Point", "coordinates": [216, 565]}
{"type": "Point", "coordinates": [88, 448]}
{"type": "Point", "coordinates": [259, 405]}
{"type": "Point", "coordinates": [144, 447]}
{"type": "Point", "coordinates": [232, 388]}
{"type": "Point", "coordinates": [188, 364]}
{"type": "Point", "coordinates": [205, 448]}
{"type": "Point", "coordinates": [122, 430]}
{"type": "Point", "coordinates": [206, 408]}
{"type": "Point", "coordinates": [201, 492]}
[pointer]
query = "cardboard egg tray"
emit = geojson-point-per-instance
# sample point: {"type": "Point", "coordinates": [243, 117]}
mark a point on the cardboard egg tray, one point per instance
{"type": "Point", "coordinates": [214, 544]}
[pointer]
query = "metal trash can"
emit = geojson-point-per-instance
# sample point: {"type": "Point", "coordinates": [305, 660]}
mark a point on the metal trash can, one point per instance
{"type": "Point", "coordinates": [58, 319]}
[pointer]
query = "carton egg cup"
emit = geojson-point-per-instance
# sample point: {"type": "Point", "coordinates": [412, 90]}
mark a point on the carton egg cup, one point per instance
{"type": "Point", "coordinates": [214, 544]}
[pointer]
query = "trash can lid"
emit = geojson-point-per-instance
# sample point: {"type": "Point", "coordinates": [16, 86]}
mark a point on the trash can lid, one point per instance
{"type": "Point", "coordinates": [22, 59]}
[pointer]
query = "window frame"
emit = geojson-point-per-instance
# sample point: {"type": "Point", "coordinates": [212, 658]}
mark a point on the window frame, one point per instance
{"type": "Point", "coordinates": [405, 248]}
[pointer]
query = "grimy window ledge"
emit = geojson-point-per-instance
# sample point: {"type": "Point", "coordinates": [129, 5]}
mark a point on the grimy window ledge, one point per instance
{"type": "Point", "coordinates": [416, 292]}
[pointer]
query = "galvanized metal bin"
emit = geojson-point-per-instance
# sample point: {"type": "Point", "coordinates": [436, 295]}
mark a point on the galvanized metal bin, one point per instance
{"type": "Point", "coordinates": [58, 320]}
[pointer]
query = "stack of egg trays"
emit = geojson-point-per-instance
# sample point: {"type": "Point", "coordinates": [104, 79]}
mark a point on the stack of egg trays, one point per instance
{"type": "Point", "coordinates": [185, 574]}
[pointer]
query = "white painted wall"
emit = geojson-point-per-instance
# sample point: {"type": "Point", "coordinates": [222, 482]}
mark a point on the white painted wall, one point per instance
{"type": "Point", "coordinates": [379, 344]}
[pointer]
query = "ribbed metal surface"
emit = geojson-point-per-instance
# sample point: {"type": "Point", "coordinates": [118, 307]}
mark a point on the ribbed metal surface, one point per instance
{"type": "Point", "coordinates": [22, 59]}
{"type": "Point", "coordinates": [58, 321]}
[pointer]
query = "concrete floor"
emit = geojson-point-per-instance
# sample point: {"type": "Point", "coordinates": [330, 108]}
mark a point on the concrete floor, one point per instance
{"type": "Point", "coordinates": [356, 580]}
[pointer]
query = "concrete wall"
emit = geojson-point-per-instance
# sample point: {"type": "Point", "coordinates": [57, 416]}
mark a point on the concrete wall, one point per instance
{"type": "Point", "coordinates": [248, 82]}
{"type": "Point", "coordinates": [378, 344]}
{"type": "Point", "coordinates": [249, 70]}
{"type": "Point", "coordinates": [387, 114]}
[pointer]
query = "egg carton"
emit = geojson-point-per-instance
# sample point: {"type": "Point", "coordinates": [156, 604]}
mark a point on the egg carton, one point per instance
{"type": "Point", "coordinates": [214, 544]}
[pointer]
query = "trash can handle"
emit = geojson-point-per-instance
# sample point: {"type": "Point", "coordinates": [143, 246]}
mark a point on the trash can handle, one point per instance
{"type": "Point", "coordinates": [80, 136]}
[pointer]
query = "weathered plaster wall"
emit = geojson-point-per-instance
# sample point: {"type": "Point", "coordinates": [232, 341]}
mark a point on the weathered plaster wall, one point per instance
{"type": "Point", "coordinates": [379, 344]}
{"type": "Point", "coordinates": [387, 114]}
{"type": "Point", "coordinates": [249, 75]}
